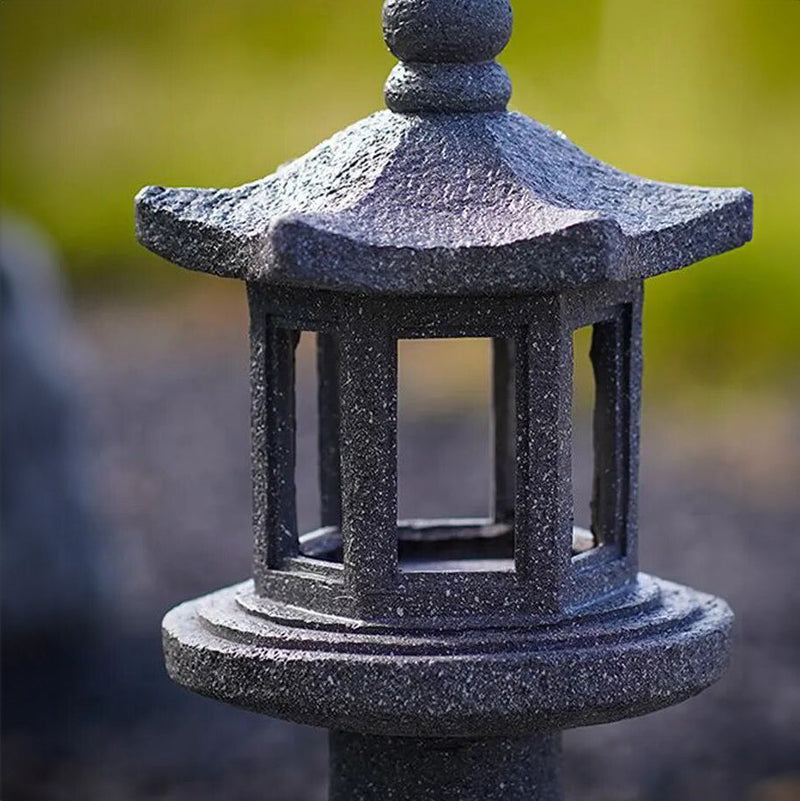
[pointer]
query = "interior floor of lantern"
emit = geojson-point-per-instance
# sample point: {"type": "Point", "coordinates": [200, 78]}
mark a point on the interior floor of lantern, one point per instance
{"type": "Point", "coordinates": [433, 565]}
{"type": "Point", "coordinates": [444, 546]}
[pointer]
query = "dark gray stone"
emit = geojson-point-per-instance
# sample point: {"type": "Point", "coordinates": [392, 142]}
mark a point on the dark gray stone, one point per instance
{"type": "Point", "coordinates": [419, 88]}
{"type": "Point", "coordinates": [444, 32]}
{"type": "Point", "coordinates": [452, 196]}
{"type": "Point", "coordinates": [465, 220]}
{"type": "Point", "coordinates": [447, 50]}
{"type": "Point", "coordinates": [444, 204]}
{"type": "Point", "coordinates": [430, 677]}
{"type": "Point", "coordinates": [445, 770]}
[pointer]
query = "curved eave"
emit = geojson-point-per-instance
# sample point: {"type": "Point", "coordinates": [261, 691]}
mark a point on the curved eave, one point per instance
{"type": "Point", "coordinates": [305, 253]}
{"type": "Point", "coordinates": [306, 250]}
{"type": "Point", "coordinates": [189, 241]}
{"type": "Point", "coordinates": [722, 227]}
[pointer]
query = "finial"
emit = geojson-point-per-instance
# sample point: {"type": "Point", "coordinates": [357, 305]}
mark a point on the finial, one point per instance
{"type": "Point", "coordinates": [447, 50]}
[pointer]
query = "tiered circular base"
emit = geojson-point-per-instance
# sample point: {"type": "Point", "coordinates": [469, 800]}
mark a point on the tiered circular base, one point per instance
{"type": "Point", "coordinates": [636, 652]}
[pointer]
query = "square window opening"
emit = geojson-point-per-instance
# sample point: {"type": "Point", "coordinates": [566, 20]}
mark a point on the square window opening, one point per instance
{"type": "Point", "coordinates": [599, 448]}
{"type": "Point", "coordinates": [583, 456]}
{"type": "Point", "coordinates": [453, 400]}
{"type": "Point", "coordinates": [316, 446]}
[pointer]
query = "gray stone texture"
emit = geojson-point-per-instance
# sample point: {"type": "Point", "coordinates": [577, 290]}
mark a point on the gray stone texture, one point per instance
{"type": "Point", "coordinates": [446, 193]}
{"type": "Point", "coordinates": [445, 770]}
{"type": "Point", "coordinates": [444, 32]}
{"type": "Point", "coordinates": [446, 216]}
{"type": "Point", "coordinates": [444, 204]}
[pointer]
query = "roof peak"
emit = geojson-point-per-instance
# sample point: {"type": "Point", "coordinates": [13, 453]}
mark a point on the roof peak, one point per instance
{"type": "Point", "coordinates": [447, 50]}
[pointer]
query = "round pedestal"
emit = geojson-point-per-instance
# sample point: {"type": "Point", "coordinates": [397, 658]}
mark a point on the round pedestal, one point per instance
{"type": "Point", "coordinates": [637, 652]}
{"type": "Point", "coordinates": [369, 768]}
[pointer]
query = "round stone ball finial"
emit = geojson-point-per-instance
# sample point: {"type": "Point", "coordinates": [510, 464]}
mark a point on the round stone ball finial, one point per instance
{"type": "Point", "coordinates": [447, 31]}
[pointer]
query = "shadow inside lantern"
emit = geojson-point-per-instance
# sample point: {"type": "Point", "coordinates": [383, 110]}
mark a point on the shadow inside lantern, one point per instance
{"type": "Point", "coordinates": [536, 538]}
{"type": "Point", "coordinates": [432, 545]}
{"type": "Point", "coordinates": [486, 544]}
{"type": "Point", "coordinates": [458, 545]}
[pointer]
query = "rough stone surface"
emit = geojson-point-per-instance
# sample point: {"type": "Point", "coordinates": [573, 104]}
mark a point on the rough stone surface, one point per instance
{"type": "Point", "coordinates": [418, 88]}
{"type": "Point", "coordinates": [176, 491]}
{"type": "Point", "coordinates": [446, 50]}
{"type": "Point", "coordinates": [447, 193]}
{"type": "Point", "coordinates": [446, 770]}
{"type": "Point", "coordinates": [444, 204]}
{"type": "Point", "coordinates": [441, 31]}
{"type": "Point", "coordinates": [464, 221]}
{"type": "Point", "coordinates": [362, 564]}
{"type": "Point", "coordinates": [662, 645]}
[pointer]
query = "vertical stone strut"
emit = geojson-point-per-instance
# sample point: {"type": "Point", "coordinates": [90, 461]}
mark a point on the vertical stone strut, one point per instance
{"type": "Point", "coordinates": [446, 656]}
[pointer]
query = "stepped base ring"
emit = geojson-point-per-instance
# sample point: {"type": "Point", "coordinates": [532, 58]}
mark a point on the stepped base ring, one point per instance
{"type": "Point", "coordinates": [653, 646]}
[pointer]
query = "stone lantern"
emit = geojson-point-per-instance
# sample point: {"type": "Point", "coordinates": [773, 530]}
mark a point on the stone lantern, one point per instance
{"type": "Point", "coordinates": [446, 656]}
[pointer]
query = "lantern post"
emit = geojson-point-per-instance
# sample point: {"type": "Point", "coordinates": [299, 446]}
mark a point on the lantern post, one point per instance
{"type": "Point", "coordinates": [446, 656]}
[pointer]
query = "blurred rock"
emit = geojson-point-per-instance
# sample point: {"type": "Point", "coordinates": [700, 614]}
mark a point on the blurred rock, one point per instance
{"type": "Point", "coordinates": [52, 565]}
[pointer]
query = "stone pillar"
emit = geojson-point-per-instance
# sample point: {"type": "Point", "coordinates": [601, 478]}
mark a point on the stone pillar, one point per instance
{"type": "Point", "coordinates": [369, 768]}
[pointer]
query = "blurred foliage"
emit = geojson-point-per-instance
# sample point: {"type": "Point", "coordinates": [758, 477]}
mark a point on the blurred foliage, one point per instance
{"type": "Point", "coordinates": [100, 98]}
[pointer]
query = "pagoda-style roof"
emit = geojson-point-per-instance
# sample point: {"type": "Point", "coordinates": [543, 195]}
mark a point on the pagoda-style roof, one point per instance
{"type": "Point", "coordinates": [446, 194]}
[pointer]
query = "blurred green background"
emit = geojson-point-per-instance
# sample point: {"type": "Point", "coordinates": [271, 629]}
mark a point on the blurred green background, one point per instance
{"type": "Point", "coordinates": [100, 98]}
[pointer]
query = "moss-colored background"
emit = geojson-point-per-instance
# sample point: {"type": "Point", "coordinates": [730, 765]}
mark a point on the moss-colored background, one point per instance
{"type": "Point", "coordinates": [100, 98]}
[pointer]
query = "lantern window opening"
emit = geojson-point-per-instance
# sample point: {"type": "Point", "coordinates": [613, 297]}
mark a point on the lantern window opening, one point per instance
{"type": "Point", "coordinates": [600, 441]}
{"type": "Point", "coordinates": [584, 396]}
{"type": "Point", "coordinates": [304, 373]}
{"type": "Point", "coordinates": [525, 537]}
{"type": "Point", "coordinates": [307, 435]}
{"type": "Point", "coordinates": [446, 539]}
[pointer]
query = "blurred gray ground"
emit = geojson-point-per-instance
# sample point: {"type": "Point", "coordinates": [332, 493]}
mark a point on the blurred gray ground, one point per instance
{"type": "Point", "coordinates": [167, 403]}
